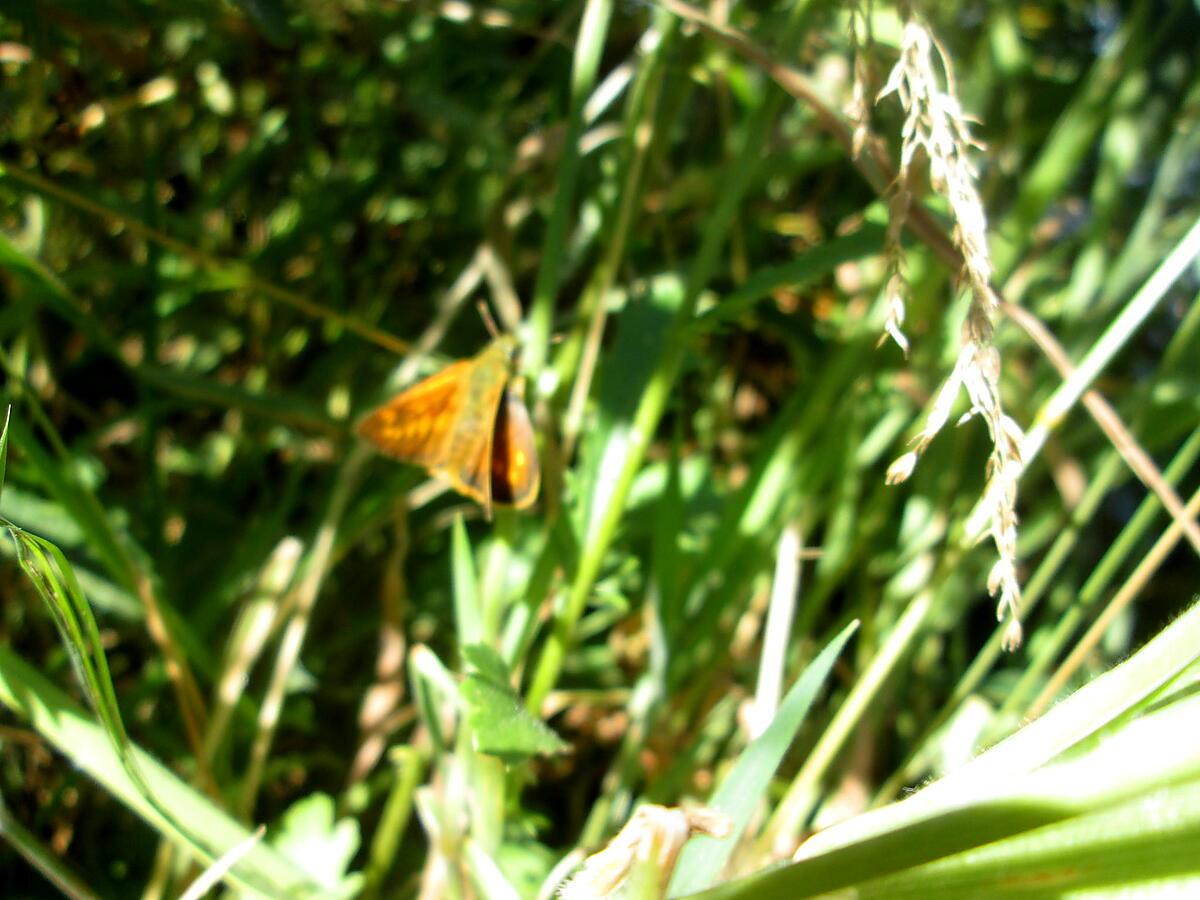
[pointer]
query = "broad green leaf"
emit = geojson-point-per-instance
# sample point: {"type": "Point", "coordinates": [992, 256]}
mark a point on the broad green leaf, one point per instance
{"type": "Point", "coordinates": [500, 724]}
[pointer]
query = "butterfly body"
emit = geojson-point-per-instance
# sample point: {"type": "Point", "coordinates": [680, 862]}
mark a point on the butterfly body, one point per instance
{"type": "Point", "coordinates": [466, 426]}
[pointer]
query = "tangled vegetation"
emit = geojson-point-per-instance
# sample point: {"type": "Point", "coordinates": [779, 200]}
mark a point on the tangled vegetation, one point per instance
{"type": "Point", "coordinates": [771, 628]}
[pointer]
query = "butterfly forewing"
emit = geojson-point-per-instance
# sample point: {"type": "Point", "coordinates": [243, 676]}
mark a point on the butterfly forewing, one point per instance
{"type": "Point", "coordinates": [467, 465]}
{"type": "Point", "coordinates": [416, 426]}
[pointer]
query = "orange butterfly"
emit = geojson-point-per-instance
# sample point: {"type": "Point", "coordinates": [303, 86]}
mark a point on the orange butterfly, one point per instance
{"type": "Point", "coordinates": [465, 425]}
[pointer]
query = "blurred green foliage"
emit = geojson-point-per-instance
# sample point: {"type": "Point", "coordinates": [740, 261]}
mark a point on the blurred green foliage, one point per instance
{"type": "Point", "coordinates": [220, 221]}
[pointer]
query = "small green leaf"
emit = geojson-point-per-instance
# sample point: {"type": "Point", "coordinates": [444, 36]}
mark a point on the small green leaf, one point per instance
{"type": "Point", "coordinates": [486, 662]}
{"type": "Point", "coordinates": [320, 845]}
{"type": "Point", "coordinates": [500, 724]}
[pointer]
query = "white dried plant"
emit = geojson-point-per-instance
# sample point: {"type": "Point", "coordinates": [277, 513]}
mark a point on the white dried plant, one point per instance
{"type": "Point", "coordinates": [937, 130]}
{"type": "Point", "coordinates": [654, 835]}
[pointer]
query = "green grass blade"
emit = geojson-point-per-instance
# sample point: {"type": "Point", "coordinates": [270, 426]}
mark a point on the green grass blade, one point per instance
{"type": "Point", "coordinates": [1088, 710]}
{"type": "Point", "coordinates": [68, 728]}
{"type": "Point", "coordinates": [745, 786]}
{"type": "Point", "coordinates": [4, 447]}
{"type": "Point", "coordinates": [593, 29]}
{"type": "Point", "coordinates": [468, 612]}
{"type": "Point", "coordinates": [55, 582]}
{"type": "Point", "coordinates": [41, 857]}
{"type": "Point", "coordinates": [1142, 847]}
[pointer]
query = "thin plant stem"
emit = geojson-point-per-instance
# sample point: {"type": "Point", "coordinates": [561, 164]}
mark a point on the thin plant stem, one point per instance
{"type": "Point", "coordinates": [1114, 338]}
{"type": "Point", "coordinates": [314, 570]}
{"type": "Point", "coordinates": [407, 768]}
{"type": "Point", "coordinates": [1127, 594]}
{"type": "Point", "coordinates": [588, 48]}
{"type": "Point", "coordinates": [205, 260]}
{"type": "Point", "coordinates": [595, 296]}
{"type": "Point", "coordinates": [1114, 557]}
{"type": "Point", "coordinates": [658, 390]}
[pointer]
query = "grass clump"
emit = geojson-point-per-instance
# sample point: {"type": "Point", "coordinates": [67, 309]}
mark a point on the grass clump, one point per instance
{"type": "Point", "coordinates": [729, 640]}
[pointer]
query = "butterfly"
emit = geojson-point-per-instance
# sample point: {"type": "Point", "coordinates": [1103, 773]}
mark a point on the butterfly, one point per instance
{"type": "Point", "coordinates": [466, 426]}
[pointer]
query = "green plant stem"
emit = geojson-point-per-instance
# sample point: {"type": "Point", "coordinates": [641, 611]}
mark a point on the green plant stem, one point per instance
{"type": "Point", "coordinates": [588, 48]}
{"type": "Point", "coordinates": [488, 790]}
{"type": "Point", "coordinates": [40, 857]}
{"type": "Point", "coordinates": [643, 428]}
{"type": "Point", "coordinates": [1098, 581]}
{"type": "Point", "coordinates": [593, 305]}
{"type": "Point", "coordinates": [314, 569]}
{"type": "Point", "coordinates": [1146, 567]}
{"type": "Point", "coordinates": [407, 768]}
{"type": "Point", "coordinates": [492, 585]}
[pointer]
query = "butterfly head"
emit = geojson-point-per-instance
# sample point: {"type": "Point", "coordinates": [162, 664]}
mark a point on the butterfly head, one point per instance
{"type": "Point", "coordinates": [509, 347]}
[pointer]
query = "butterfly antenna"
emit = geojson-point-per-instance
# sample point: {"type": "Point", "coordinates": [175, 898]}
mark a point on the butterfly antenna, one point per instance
{"type": "Point", "coordinates": [486, 315]}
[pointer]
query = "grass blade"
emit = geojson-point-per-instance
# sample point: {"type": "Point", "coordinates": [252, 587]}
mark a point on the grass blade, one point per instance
{"type": "Point", "coordinates": [745, 786]}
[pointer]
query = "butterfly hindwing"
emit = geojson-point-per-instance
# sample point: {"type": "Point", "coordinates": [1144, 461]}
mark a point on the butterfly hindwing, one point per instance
{"type": "Point", "coordinates": [516, 474]}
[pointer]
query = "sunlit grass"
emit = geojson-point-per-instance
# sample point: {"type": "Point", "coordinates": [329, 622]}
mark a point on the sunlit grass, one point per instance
{"type": "Point", "coordinates": [226, 234]}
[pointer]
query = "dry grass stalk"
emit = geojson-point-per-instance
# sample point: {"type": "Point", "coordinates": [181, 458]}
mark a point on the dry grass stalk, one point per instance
{"type": "Point", "coordinates": [859, 109]}
{"type": "Point", "coordinates": [936, 128]}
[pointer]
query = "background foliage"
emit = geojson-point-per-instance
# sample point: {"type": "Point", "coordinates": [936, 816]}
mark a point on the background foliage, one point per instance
{"type": "Point", "coordinates": [228, 230]}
